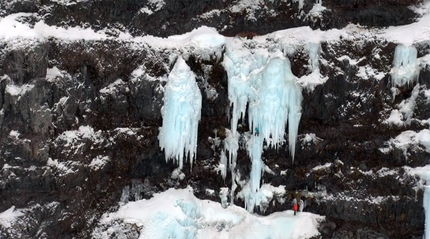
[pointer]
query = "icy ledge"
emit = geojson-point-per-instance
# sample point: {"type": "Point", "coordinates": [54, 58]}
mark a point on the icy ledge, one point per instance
{"type": "Point", "coordinates": [179, 214]}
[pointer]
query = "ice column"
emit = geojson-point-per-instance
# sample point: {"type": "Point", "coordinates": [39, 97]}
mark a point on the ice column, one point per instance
{"type": "Point", "coordinates": [405, 67]}
{"type": "Point", "coordinates": [426, 205]}
{"type": "Point", "coordinates": [314, 53]}
{"type": "Point", "coordinates": [181, 114]}
{"type": "Point", "coordinates": [231, 144]}
{"type": "Point", "coordinates": [278, 103]}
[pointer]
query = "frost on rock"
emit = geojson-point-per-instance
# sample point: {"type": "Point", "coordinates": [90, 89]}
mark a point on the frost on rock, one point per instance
{"type": "Point", "coordinates": [405, 66]}
{"type": "Point", "coordinates": [181, 114]}
{"type": "Point", "coordinates": [313, 79]}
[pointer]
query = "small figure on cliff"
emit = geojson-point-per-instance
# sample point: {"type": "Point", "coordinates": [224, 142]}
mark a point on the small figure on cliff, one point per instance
{"type": "Point", "coordinates": [295, 206]}
{"type": "Point", "coordinates": [256, 131]}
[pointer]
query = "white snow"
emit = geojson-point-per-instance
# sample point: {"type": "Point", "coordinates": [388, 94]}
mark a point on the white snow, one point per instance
{"type": "Point", "coordinates": [9, 216]}
{"type": "Point", "coordinates": [181, 114]}
{"type": "Point", "coordinates": [113, 87]}
{"type": "Point", "coordinates": [14, 134]}
{"type": "Point", "coordinates": [179, 214]}
{"type": "Point", "coordinates": [71, 136]}
{"type": "Point", "coordinates": [317, 9]}
{"type": "Point", "coordinates": [322, 167]}
{"type": "Point", "coordinates": [310, 138]}
{"type": "Point", "coordinates": [18, 90]}
{"type": "Point", "coordinates": [410, 139]}
{"type": "Point", "coordinates": [53, 73]}
{"type": "Point", "coordinates": [403, 115]}
{"type": "Point", "coordinates": [98, 162]}
{"type": "Point", "coordinates": [155, 5]}
{"type": "Point", "coordinates": [62, 167]}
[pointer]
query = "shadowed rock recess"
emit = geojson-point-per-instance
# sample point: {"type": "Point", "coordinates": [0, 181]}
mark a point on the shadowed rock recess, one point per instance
{"type": "Point", "coordinates": [70, 143]}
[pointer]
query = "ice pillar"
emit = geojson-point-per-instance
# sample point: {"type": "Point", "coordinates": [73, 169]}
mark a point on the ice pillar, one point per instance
{"type": "Point", "coordinates": [181, 114]}
{"type": "Point", "coordinates": [405, 67]}
{"type": "Point", "coordinates": [278, 103]}
{"type": "Point", "coordinates": [426, 205]}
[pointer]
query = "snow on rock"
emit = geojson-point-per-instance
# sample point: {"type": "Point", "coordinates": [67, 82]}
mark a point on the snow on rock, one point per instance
{"type": "Point", "coordinates": [11, 29]}
{"type": "Point", "coordinates": [63, 168]}
{"type": "Point", "coordinates": [313, 79]}
{"type": "Point", "coordinates": [19, 90]}
{"type": "Point", "coordinates": [410, 139]}
{"type": "Point", "coordinates": [181, 114]}
{"type": "Point", "coordinates": [112, 88]}
{"type": "Point", "coordinates": [98, 162]}
{"type": "Point", "coordinates": [177, 213]}
{"type": "Point", "coordinates": [9, 216]}
{"type": "Point", "coordinates": [307, 139]}
{"type": "Point", "coordinates": [204, 42]}
{"type": "Point", "coordinates": [53, 73]}
{"type": "Point", "coordinates": [153, 6]}
{"type": "Point", "coordinates": [403, 115]}
{"type": "Point", "coordinates": [72, 137]}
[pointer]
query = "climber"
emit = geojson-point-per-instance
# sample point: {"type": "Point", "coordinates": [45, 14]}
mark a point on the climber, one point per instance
{"type": "Point", "coordinates": [295, 206]}
{"type": "Point", "coordinates": [256, 132]}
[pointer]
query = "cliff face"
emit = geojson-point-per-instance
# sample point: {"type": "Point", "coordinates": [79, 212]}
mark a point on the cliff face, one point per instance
{"type": "Point", "coordinates": [80, 116]}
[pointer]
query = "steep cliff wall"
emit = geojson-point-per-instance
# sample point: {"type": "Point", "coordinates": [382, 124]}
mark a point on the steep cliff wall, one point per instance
{"type": "Point", "coordinates": [81, 110]}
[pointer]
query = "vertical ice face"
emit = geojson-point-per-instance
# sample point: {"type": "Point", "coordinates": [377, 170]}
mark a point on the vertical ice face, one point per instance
{"type": "Point", "coordinates": [262, 84]}
{"type": "Point", "coordinates": [314, 53]}
{"type": "Point", "coordinates": [405, 67]}
{"type": "Point", "coordinates": [278, 103]}
{"type": "Point", "coordinates": [181, 114]}
{"type": "Point", "coordinates": [426, 205]}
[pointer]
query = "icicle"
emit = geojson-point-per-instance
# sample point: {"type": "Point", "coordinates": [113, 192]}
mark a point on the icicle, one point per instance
{"type": "Point", "coordinates": [224, 165]}
{"type": "Point", "coordinates": [231, 144]}
{"type": "Point", "coordinates": [426, 205]}
{"type": "Point", "coordinates": [405, 67]}
{"type": "Point", "coordinates": [181, 114]}
{"type": "Point", "coordinates": [279, 102]}
{"type": "Point", "coordinates": [264, 83]}
{"type": "Point", "coordinates": [314, 53]}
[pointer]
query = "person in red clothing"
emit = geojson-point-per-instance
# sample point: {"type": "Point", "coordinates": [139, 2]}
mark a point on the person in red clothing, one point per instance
{"type": "Point", "coordinates": [295, 208]}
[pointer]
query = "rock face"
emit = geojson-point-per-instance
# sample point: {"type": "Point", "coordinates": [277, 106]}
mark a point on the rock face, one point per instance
{"type": "Point", "coordinates": [79, 119]}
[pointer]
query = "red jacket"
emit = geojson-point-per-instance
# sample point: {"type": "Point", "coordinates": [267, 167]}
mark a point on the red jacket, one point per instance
{"type": "Point", "coordinates": [296, 207]}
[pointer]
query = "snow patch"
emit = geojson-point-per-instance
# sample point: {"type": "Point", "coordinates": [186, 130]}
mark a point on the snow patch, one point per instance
{"type": "Point", "coordinates": [177, 213]}
{"type": "Point", "coordinates": [9, 216]}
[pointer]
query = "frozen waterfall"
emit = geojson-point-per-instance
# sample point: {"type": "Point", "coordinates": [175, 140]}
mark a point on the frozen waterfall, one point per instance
{"type": "Point", "coordinates": [405, 66]}
{"type": "Point", "coordinates": [181, 114]}
{"type": "Point", "coordinates": [264, 83]}
{"type": "Point", "coordinates": [278, 102]}
{"type": "Point", "coordinates": [426, 205]}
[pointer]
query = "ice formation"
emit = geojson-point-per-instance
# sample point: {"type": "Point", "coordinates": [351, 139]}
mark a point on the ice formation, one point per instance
{"type": "Point", "coordinates": [181, 114]}
{"type": "Point", "coordinates": [405, 66]}
{"type": "Point", "coordinates": [264, 83]}
{"type": "Point", "coordinates": [426, 205]}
